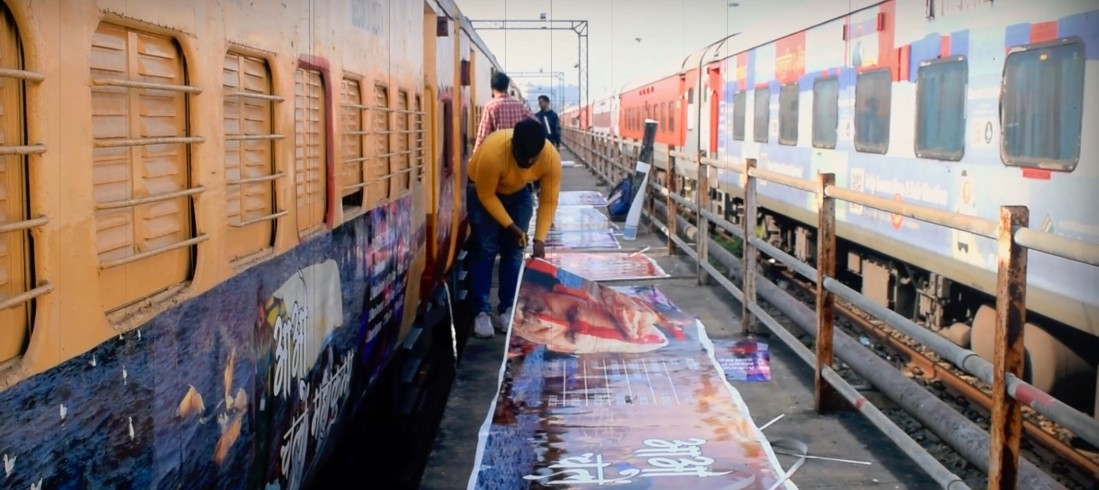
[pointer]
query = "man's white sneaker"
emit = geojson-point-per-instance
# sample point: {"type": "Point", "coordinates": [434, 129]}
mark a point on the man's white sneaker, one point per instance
{"type": "Point", "coordinates": [505, 320]}
{"type": "Point", "coordinates": [482, 326]}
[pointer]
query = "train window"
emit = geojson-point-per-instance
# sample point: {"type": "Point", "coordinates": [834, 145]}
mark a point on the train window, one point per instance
{"type": "Point", "coordinates": [418, 133]}
{"type": "Point", "coordinates": [826, 115]}
{"type": "Point", "coordinates": [383, 128]}
{"type": "Point", "coordinates": [873, 97]}
{"type": "Point", "coordinates": [788, 114]}
{"type": "Point", "coordinates": [249, 155]}
{"type": "Point", "coordinates": [762, 115]}
{"type": "Point", "coordinates": [141, 165]}
{"type": "Point", "coordinates": [448, 148]}
{"type": "Point", "coordinates": [940, 109]}
{"type": "Point", "coordinates": [1043, 106]}
{"type": "Point", "coordinates": [353, 116]}
{"type": "Point", "coordinates": [16, 272]}
{"type": "Point", "coordinates": [740, 106]}
{"type": "Point", "coordinates": [310, 160]}
{"type": "Point", "coordinates": [403, 161]}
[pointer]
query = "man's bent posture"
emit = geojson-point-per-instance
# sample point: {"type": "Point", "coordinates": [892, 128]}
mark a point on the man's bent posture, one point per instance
{"type": "Point", "coordinates": [500, 202]}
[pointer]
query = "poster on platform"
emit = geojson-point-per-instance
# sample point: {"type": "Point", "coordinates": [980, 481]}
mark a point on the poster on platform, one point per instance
{"type": "Point", "coordinates": [580, 218]}
{"type": "Point", "coordinates": [575, 218]}
{"type": "Point", "coordinates": [608, 266]}
{"type": "Point", "coordinates": [601, 387]}
{"type": "Point", "coordinates": [744, 360]}
{"type": "Point", "coordinates": [579, 240]}
{"type": "Point", "coordinates": [581, 198]}
{"type": "Point", "coordinates": [651, 294]}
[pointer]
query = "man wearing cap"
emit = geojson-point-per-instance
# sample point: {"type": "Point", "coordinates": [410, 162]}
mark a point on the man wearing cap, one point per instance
{"type": "Point", "coordinates": [500, 203]}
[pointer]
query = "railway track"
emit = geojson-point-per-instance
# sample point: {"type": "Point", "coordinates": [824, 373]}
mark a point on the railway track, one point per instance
{"type": "Point", "coordinates": [1045, 444]}
{"type": "Point", "coordinates": [972, 398]}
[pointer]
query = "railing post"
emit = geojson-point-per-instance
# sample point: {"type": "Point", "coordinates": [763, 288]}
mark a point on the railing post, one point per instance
{"type": "Point", "coordinates": [748, 251]}
{"type": "Point", "coordinates": [824, 395]}
{"type": "Point", "coordinates": [1007, 421]}
{"type": "Point", "coordinates": [670, 204]}
{"type": "Point", "coordinates": [603, 148]}
{"type": "Point", "coordinates": [589, 147]}
{"type": "Point", "coordinates": [702, 239]}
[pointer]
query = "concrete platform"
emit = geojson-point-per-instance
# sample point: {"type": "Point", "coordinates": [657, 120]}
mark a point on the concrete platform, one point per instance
{"type": "Point", "coordinates": [789, 393]}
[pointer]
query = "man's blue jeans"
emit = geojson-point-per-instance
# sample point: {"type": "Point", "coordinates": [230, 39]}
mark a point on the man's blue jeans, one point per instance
{"type": "Point", "coordinates": [489, 239]}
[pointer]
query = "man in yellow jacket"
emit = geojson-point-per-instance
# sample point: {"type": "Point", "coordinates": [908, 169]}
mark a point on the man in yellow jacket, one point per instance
{"type": "Point", "coordinates": [500, 203]}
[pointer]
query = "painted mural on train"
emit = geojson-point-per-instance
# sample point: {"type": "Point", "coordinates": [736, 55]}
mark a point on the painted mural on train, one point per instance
{"type": "Point", "coordinates": [859, 162]}
{"type": "Point", "coordinates": [391, 252]}
{"type": "Point", "coordinates": [446, 212]}
{"type": "Point", "coordinates": [289, 357]}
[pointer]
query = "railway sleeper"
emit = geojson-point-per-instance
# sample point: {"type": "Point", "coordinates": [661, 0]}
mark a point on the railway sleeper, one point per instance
{"type": "Point", "coordinates": [1059, 360]}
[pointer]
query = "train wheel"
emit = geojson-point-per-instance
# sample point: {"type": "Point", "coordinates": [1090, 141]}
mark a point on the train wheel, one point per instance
{"type": "Point", "coordinates": [1051, 366]}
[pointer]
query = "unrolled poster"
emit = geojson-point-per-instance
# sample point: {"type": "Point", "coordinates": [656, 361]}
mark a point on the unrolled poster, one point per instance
{"type": "Point", "coordinates": [576, 218]}
{"type": "Point", "coordinates": [581, 198]}
{"type": "Point", "coordinates": [608, 266]}
{"type": "Point", "coordinates": [744, 360]}
{"type": "Point", "coordinates": [588, 239]}
{"type": "Point", "coordinates": [600, 387]}
{"type": "Point", "coordinates": [580, 218]}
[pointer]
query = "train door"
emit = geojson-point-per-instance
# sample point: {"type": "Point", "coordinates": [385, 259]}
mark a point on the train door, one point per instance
{"type": "Point", "coordinates": [713, 88]}
{"type": "Point", "coordinates": [700, 138]}
{"type": "Point", "coordinates": [439, 42]}
{"type": "Point", "coordinates": [712, 130]}
{"type": "Point", "coordinates": [457, 133]}
{"type": "Point", "coordinates": [614, 117]}
{"type": "Point", "coordinates": [708, 119]}
{"type": "Point", "coordinates": [704, 119]}
{"type": "Point", "coordinates": [690, 146]}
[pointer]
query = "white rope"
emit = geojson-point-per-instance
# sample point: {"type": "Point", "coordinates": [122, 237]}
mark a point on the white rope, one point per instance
{"type": "Point", "coordinates": [797, 449]}
{"type": "Point", "coordinates": [453, 331]}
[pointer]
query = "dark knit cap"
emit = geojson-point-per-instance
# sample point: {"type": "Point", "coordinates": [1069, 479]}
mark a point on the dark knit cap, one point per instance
{"type": "Point", "coordinates": [528, 139]}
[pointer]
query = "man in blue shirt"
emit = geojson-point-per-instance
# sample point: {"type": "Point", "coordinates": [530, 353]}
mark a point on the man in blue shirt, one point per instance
{"type": "Point", "coordinates": [549, 119]}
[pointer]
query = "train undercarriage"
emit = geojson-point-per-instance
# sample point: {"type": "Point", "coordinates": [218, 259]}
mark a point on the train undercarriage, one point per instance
{"type": "Point", "coordinates": [392, 437]}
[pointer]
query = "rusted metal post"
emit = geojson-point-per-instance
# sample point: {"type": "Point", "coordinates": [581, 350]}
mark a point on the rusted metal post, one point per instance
{"type": "Point", "coordinates": [825, 397]}
{"type": "Point", "coordinates": [702, 199]}
{"type": "Point", "coordinates": [1007, 420]}
{"type": "Point", "coordinates": [670, 204]}
{"type": "Point", "coordinates": [748, 251]}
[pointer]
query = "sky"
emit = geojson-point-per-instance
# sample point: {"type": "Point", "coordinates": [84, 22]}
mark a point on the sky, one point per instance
{"type": "Point", "coordinates": [629, 40]}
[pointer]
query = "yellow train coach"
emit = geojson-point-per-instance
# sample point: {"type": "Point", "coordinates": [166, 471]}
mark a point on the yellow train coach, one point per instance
{"type": "Point", "coordinates": [220, 223]}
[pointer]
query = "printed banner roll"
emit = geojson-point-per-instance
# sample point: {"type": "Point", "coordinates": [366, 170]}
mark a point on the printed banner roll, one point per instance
{"type": "Point", "coordinates": [640, 181]}
{"type": "Point", "coordinates": [605, 388]}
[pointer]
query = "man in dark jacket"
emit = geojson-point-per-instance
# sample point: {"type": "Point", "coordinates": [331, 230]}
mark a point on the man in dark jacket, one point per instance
{"type": "Point", "coordinates": [549, 119]}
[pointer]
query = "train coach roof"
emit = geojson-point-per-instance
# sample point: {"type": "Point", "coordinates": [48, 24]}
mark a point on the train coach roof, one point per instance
{"type": "Point", "coordinates": [760, 34]}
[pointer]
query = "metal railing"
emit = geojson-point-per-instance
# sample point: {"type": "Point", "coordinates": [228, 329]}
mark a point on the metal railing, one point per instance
{"type": "Point", "coordinates": [612, 159]}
